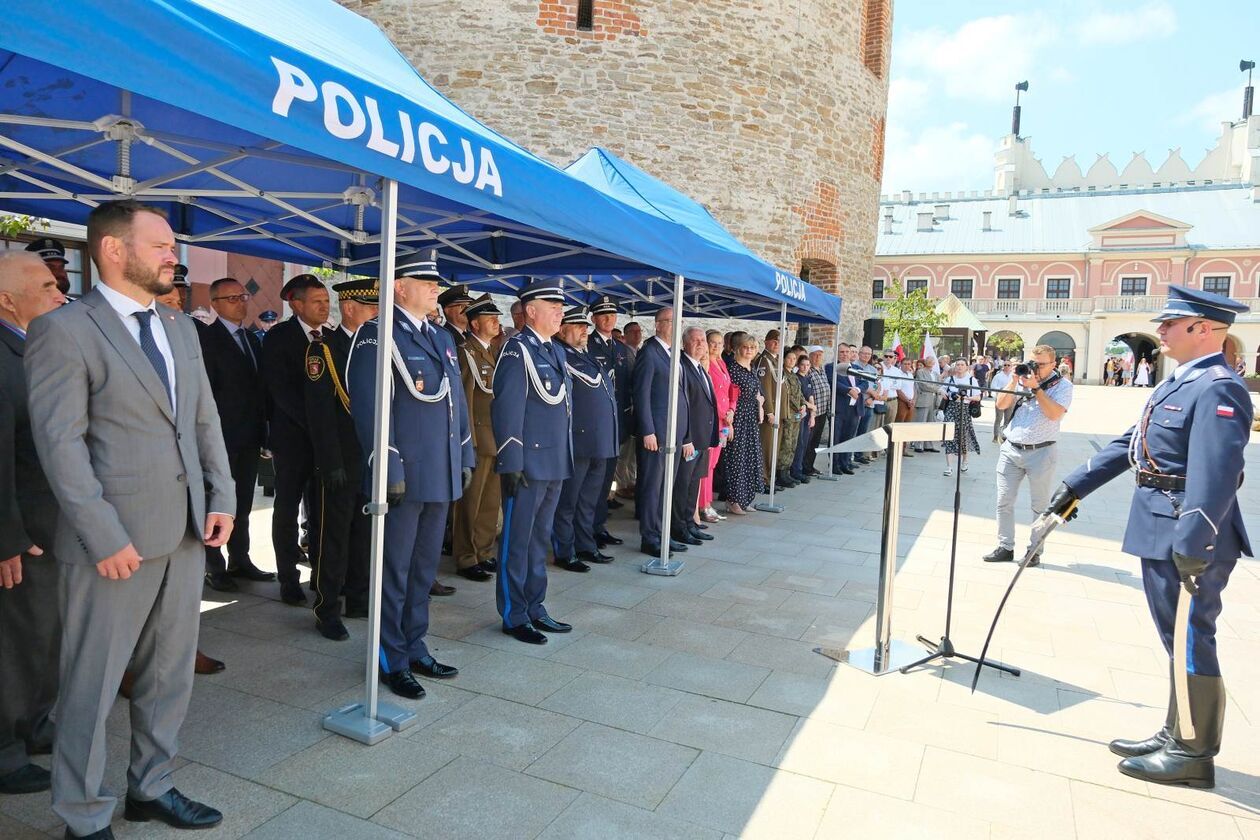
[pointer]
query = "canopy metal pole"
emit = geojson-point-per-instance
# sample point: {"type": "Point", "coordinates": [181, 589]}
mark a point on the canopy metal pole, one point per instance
{"type": "Point", "coordinates": [372, 721]}
{"type": "Point", "coordinates": [770, 506]}
{"type": "Point", "coordinates": [835, 402]}
{"type": "Point", "coordinates": [663, 565]}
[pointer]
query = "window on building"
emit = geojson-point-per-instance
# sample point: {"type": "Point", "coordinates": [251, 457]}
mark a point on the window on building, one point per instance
{"type": "Point", "coordinates": [586, 15]}
{"type": "Point", "coordinates": [1218, 284]}
{"type": "Point", "coordinates": [1058, 288]}
{"type": "Point", "coordinates": [76, 259]}
{"type": "Point", "coordinates": [960, 287]}
{"type": "Point", "coordinates": [877, 288]}
{"type": "Point", "coordinates": [916, 283]}
{"type": "Point", "coordinates": [1132, 285]}
{"type": "Point", "coordinates": [1008, 288]}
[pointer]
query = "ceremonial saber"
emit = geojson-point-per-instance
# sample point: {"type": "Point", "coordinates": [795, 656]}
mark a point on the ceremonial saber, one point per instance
{"type": "Point", "coordinates": [1041, 529]}
{"type": "Point", "coordinates": [1181, 678]}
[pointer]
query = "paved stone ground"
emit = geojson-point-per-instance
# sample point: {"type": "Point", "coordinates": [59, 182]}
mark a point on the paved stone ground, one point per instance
{"type": "Point", "coordinates": [695, 706]}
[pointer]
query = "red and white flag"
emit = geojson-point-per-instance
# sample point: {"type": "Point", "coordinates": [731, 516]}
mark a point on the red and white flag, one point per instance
{"type": "Point", "coordinates": [897, 348]}
{"type": "Point", "coordinates": [1224, 411]}
{"type": "Point", "coordinates": [929, 352]}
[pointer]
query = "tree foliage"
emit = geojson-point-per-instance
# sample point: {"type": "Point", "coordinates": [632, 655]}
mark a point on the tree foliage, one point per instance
{"type": "Point", "coordinates": [14, 226]}
{"type": "Point", "coordinates": [910, 316]}
{"type": "Point", "coordinates": [1007, 344]}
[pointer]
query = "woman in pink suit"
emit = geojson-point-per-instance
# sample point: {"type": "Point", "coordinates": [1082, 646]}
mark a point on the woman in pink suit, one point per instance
{"type": "Point", "coordinates": [726, 416]}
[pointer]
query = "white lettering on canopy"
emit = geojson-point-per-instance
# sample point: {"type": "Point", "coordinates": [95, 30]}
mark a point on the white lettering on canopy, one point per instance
{"type": "Point", "coordinates": [791, 286]}
{"type": "Point", "coordinates": [349, 117]}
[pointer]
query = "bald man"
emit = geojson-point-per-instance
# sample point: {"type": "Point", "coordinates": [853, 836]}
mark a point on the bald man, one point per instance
{"type": "Point", "coordinates": [30, 624]}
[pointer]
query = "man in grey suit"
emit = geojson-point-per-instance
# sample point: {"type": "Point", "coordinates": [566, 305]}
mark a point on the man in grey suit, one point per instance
{"type": "Point", "coordinates": [127, 430]}
{"type": "Point", "coordinates": [927, 393]}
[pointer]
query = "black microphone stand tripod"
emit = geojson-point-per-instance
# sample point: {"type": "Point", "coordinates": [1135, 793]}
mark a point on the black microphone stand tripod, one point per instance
{"type": "Point", "coordinates": [944, 649]}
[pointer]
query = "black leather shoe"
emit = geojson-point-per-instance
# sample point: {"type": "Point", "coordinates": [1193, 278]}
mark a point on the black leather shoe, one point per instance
{"type": "Point", "coordinates": [332, 629]}
{"type": "Point", "coordinates": [106, 833]}
{"type": "Point", "coordinates": [292, 594]}
{"type": "Point", "coordinates": [1035, 561]}
{"type": "Point", "coordinates": [174, 809]}
{"type": "Point", "coordinates": [404, 684]}
{"type": "Point", "coordinates": [846, 470]}
{"type": "Point", "coordinates": [430, 667]}
{"type": "Point", "coordinates": [603, 539]}
{"type": "Point", "coordinates": [476, 572]}
{"type": "Point", "coordinates": [221, 582]}
{"type": "Point", "coordinates": [675, 545]}
{"type": "Point", "coordinates": [551, 625]}
{"type": "Point", "coordinates": [689, 539]}
{"type": "Point", "coordinates": [999, 555]}
{"type": "Point", "coordinates": [249, 571]}
{"type": "Point", "coordinates": [570, 564]}
{"type": "Point", "coordinates": [1132, 749]}
{"type": "Point", "coordinates": [700, 535]}
{"type": "Point", "coordinates": [491, 565]}
{"type": "Point", "coordinates": [440, 590]}
{"type": "Point", "coordinates": [864, 460]}
{"type": "Point", "coordinates": [613, 504]}
{"type": "Point", "coordinates": [700, 526]}
{"type": "Point", "coordinates": [355, 610]}
{"type": "Point", "coordinates": [594, 557]}
{"type": "Point", "coordinates": [29, 779]}
{"type": "Point", "coordinates": [526, 633]}
{"type": "Point", "coordinates": [801, 478]}
{"type": "Point", "coordinates": [650, 549]}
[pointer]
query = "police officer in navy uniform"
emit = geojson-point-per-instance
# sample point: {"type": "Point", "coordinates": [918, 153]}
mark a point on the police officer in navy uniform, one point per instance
{"type": "Point", "coordinates": [430, 461]}
{"type": "Point", "coordinates": [1187, 450]}
{"type": "Point", "coordinates": [617, 360]}
{"type": "Point", "coordinates": [53, 253]}
{"type": "Point", "coordinates": [532, 419]}
{"type": "Point", "coordinates": [595, 442]}
{"type": "Point", "coordinates": [339, 553]}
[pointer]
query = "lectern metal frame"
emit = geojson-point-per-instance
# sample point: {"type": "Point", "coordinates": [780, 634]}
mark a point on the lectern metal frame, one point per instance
{"type": "Point", "coordinates": [888, 654]}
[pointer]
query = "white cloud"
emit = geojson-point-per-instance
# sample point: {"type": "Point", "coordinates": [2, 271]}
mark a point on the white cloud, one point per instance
{"type": "Point", "coordinates": [937, 158]}
{"type": "Point", "coordinates": [1209, 112]}
{"type": "Point", "coordinates": [1152, 21]}
{"type": "Point", "coordinates": [981, 60]}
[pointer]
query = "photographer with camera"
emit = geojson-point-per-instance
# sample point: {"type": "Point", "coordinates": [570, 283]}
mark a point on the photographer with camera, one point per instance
{"type": "Point", "coordinates": [1029, 447]}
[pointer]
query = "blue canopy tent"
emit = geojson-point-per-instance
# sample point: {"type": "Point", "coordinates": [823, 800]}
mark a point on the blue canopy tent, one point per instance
{"type": "Point", "coordinates": [293, 129]}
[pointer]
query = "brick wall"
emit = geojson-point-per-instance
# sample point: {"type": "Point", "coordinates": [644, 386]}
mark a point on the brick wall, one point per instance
{"type": "Point", "coordinates": [766, 112]}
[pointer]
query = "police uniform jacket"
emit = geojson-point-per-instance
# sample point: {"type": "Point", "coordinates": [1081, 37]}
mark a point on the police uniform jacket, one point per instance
{"type": "Point", "coordinates": [595, 432]}
{"type": "Point", "coordinates": [618, 359]}
{"type": "Point", "coordinates": [477, 369]}
{"type": "Point", "coordinates": [531, 412]}
{"type": "Point", "coordinates": [429, 439]}
{"type": "Point", "coordinates": [651, 395]}
{"type": "Point", "coordinates": [1196, 427]}
{"type": "Point", "coordinates": [328, 417]}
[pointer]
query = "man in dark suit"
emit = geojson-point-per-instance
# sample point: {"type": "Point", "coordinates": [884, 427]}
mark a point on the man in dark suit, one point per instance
{"type": "Point", "coordinates": [702, 427]}
{"type": "Point", "coordinates": [232, 354]}
{"type": "Point", "coordinates": [617, 360]}
{"type": "Point", "coordinates": [849, 406]}
{"type": "Point", "coordinates": [127, 431]}
{"type": "Point", "coordinates": [284, 369]}
{"type": "Point", "coordinates": [651, 417]}
{"type": "Point", "coordinates": [339, 552]}
{"type": "Point", "coordinates": [30, 625]}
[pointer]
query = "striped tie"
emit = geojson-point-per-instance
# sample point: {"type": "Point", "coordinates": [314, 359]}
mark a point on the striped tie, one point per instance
{"type": "Point", "coordinates": [151, 351]}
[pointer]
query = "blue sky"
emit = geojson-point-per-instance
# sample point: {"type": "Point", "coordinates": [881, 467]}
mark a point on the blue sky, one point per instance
{"type": "Point", "coordinates": [1115, 76]}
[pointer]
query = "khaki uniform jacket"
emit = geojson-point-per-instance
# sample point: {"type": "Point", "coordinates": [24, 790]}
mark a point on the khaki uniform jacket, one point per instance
{"type": "Point", "coordinates": [476, 369]}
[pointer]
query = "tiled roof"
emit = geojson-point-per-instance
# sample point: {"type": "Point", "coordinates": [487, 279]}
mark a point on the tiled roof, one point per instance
{"type": "Point", "coordinates": [1221, 216]}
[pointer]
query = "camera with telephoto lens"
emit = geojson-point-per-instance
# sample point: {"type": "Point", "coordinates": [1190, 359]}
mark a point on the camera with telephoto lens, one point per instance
{"type": "Point", "coordinates": [1023, 370]}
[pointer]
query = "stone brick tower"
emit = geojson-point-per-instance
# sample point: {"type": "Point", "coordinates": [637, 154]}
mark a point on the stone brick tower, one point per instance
{"type": "Point", "coordinates": [769, 112]}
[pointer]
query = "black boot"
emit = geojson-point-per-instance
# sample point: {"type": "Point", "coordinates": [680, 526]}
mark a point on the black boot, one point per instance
{"type": "Point", "coordinates": [1188, 762]}
{"type": "Point", "coordinates": [1129, 749]}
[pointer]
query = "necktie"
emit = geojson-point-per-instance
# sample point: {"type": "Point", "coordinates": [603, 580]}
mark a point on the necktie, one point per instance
{"type": "Point", "coordinates": [315, 335]}
{"type": "Point", "coordinates": [244, 342]}
{"type": "Point", "coordinates": [151, 351]}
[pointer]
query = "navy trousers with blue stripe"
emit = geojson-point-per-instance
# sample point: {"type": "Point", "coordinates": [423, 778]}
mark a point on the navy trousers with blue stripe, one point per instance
{"type": "Point", "coordinates": [413, 545]}
{"type": "Point", "coordinates": [1163, 585]}
{"type": "Point", "coordinates": [522, 580]}
{"type": "Point", "coordinates": [575, 514]}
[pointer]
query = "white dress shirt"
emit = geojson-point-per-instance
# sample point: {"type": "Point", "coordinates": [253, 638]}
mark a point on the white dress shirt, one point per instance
{"type": "Point", "coordinates": [127, 308]}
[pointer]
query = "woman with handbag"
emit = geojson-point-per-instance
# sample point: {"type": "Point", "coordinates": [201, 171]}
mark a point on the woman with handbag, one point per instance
{"type": "Point", "coordinates": [961, 401]}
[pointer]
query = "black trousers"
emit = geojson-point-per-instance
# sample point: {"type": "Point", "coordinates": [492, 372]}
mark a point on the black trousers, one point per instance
{"type": "Point", "coordinates": [650, 491]}
{"type": "Point", "coordinates": [687, 490]}
{"type": "Point", "coordinates": [30, 648]}
{"type": "Point", "coordinates": [295, 467]}
{"type": "Point", "coordinates": [815, 440]}
{"type": "Point", "coordinates": [601, 504]}
{"type": "Point", "coordinates": [339, 549]}
{"type": "Point", "coordinates": [244, 467]}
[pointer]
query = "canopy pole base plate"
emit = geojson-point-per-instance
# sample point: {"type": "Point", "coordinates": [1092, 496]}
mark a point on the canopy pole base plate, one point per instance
{"type": "Point", "coordinates": [655, 567]}
{"type": "Point", "coordinates": [766, 507]}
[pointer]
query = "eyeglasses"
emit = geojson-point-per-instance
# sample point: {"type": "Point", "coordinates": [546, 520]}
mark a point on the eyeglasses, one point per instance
{"type": "Point", "coordinates": [235, 298]}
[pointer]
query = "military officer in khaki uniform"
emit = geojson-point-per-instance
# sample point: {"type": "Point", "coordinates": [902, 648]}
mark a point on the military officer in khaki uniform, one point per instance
{"type": "Point", "coordinates": [477, 514]}
{"type": "Point", "coordinates": [766, 364]}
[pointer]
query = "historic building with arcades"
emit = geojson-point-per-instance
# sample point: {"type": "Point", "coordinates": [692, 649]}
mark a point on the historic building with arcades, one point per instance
{"type": "Point", "coordinates": [768, 112]}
